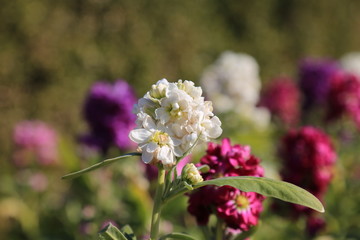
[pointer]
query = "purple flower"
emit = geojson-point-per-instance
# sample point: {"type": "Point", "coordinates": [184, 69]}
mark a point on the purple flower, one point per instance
{"type": "Point", "coordinates": [239, 210]}
{"type": "Point", "coordinates": [314, 80]}
{"type": "Point", "coordinates": [282, 98]}
{"type": "Point", "coordinates": [35, 139]}
{"type": "Point", "coordinates": [108, 112]}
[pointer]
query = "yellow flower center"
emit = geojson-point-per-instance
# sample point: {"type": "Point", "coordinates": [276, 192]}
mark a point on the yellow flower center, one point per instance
{"type": "Point", "coordinates": [160, 138]}
{"type": "Point", "coordinates": [242, 202]}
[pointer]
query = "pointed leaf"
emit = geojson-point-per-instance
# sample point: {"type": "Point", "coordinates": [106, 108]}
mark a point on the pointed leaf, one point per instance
{"type": "Point", "coordinates": [99, 165]}
{"type": "Point", "coordinates": [177, 236]}
{"type": "Point", "coordinates": [269, 187]}
{"type": "Point", "coordinates": [128, 232]}
{"type": "Point", "coordinates": [110, 232]}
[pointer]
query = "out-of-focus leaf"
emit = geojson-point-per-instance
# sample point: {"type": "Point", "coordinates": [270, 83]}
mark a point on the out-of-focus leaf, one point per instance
{"type": "Point", "coordinates": [269, 187]}
{"type": "Point", "coordinates": [110, 232]}
{"type": "Point", "coordinates": [177, 236]}
{"type": "Point", "coordinates": [128, 232]}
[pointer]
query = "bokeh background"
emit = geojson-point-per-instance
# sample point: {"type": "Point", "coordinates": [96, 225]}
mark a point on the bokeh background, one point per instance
{"type": "Point", "coordinates": [51, 52]}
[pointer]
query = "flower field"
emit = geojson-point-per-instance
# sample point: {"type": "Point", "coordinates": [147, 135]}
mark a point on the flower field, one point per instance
{"type": "Point", "coordinates": [208, 120]}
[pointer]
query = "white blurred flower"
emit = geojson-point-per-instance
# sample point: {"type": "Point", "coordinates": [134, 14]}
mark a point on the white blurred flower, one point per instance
{"type": "Point", "coordinates": [170, 118]}
{"type": "Point", "coordinates": [233, 83]}
{"type": "Point", "coordinates": [351, 62]}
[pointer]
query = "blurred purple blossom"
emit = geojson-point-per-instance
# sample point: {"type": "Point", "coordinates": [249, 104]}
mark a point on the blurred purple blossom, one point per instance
{"type": "Point", "coordinates": [108, 112]}
{"type": "Point", "coordinates": [314, 80]}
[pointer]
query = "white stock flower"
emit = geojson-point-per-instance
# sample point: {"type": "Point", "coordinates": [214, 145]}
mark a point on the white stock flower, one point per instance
{"type": "Point", "coordinates": [233, 83]}
{"type": "Point", "coordinates": [171, 117]}
{"type": "Point", "coordinates": [351, 62]}
{"type": "Point", "coordinates": [156, 143]}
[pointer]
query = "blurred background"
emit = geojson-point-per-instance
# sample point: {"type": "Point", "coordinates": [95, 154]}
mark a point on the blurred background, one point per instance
{"type": "Point", "coordinates": [52, 52]}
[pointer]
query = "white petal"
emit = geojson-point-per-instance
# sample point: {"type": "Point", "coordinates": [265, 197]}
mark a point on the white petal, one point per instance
{"type": "Point", "coordinates": [146, 157]}
{"type": "Point", "coordinates": [149, 123]}
{"type": "Point", "coordinates": [162, 115]}
{"type": "Point", "coordinates": [139, 135]}
{"type": "Point", "coordinates": [151, 147]}
{"type": "Point", "coordinates": [165, 155]}
{"type": "Point", "coordinates": [175, 141]}
{"type": "Point", "coordinates": [178, 152]}
{"type": "Point", "coordinates": [215, 130]}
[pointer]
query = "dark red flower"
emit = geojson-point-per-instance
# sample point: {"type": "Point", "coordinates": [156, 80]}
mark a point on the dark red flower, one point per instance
{"type": "Point", "coordinates": [344, 98]}
{"type": "Point", "coordinates": [308, 159]}
{"type": "Point", "coordinates": [282, 98]}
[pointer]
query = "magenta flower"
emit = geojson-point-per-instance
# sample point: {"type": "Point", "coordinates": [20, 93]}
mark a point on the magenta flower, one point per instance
{"type": "Point", "coordinates": [308, 159]}
{"type": "Point", "coordinates": [35, 139]}
{"type": "Point", "coordinates": [108, 112]}
{"type": "Point", "coordinates": [282, 98]}
{"type": "Point", "coordinates": [344, 98]}
{"type": "Point", "coordinates": [238, 209]}
{"type": "Point", "coordinates": [314, 80]}
{"type": "Point", "coordinates": [227, 160]}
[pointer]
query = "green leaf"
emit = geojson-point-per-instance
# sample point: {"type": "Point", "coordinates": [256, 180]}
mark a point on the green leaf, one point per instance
{"type": "Point", "coordinates": [110, 232]}
{"type": "Point", "coordinates": [128, 232]}
{"type": "Point", "coordinates": [177, 236]}
{"type": "Point", "coordinates": [269, 187]}
{"type": "Point", "coordinates": [99, 165]}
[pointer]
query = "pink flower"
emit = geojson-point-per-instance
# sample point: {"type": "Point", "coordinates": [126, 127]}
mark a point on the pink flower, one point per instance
{"type": "Point", "coordinates": [282, 98]}
{"type": "Point", "coordinates": [344, 98]}
{"type": "Point", "coordinates": [239, 210]}
{"type": "Point", "coordinates": [37, 139]}
{"type": "Point", "coordinates": [227, 160]}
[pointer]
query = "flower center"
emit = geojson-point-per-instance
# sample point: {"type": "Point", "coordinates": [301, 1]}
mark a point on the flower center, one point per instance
{"type": "Point", "coordinates": [160, 138]}
{"type": "Point", "coordinates": [175, 110]}
{"type": "Point", "coordinates": [242, 202]}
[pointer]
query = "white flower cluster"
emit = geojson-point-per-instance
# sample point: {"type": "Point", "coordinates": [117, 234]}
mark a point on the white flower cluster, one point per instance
{"type": "Point", "coordinates": [232, 83]}
{"type": "Point", "coordinates": [171, 117]}
{"type": "Point", "coordinates": [351, 62]}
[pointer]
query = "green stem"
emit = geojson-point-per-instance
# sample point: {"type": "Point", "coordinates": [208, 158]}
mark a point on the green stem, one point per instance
{"type": "Point", "coordinates": [219, 230]}
{"type": "Point", "coordinates": [99, 165]}
{"type": "Point", "coordinates": [155, 220]}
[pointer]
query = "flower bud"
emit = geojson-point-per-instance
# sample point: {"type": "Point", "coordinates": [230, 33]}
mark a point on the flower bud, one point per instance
{"type": "Point", "coordinates": [158, 91]}
{"type": "Point", "coordinates": [191, 174]}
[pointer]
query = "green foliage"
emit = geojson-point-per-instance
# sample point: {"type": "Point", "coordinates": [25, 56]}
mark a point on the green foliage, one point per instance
{"type": "Point", "coordinates": [268, 187]}
{"type": "Point", "coordinates": [182, 236]}
{"type": "Point", "coordinates": [110, 232]}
